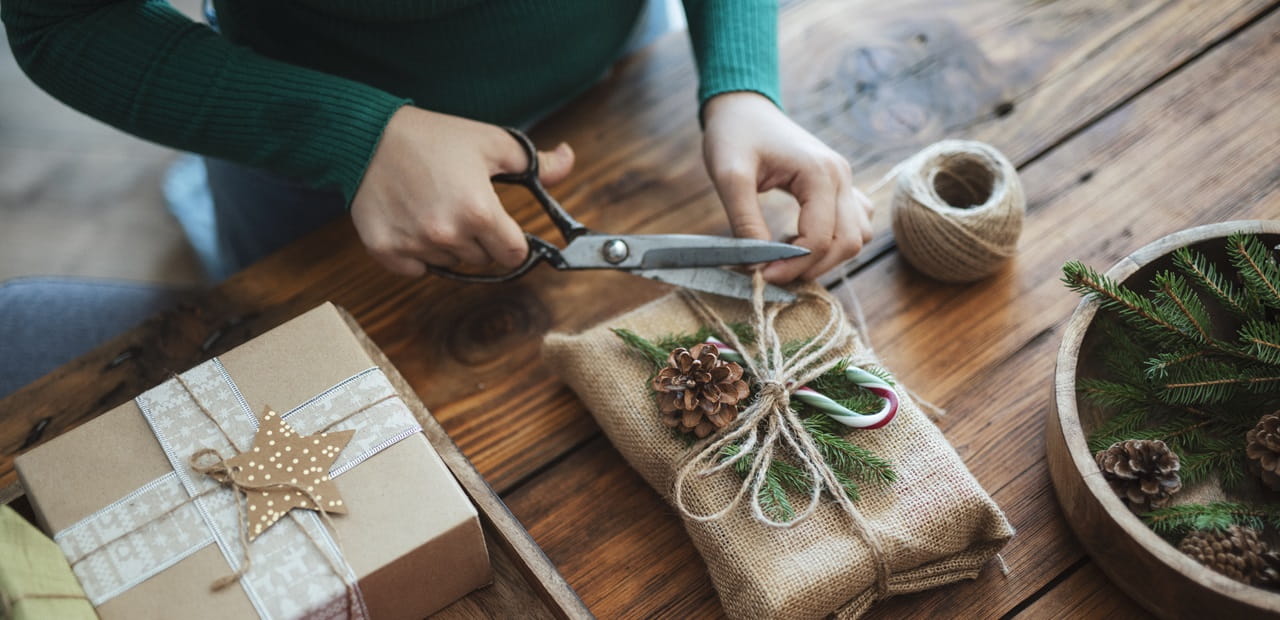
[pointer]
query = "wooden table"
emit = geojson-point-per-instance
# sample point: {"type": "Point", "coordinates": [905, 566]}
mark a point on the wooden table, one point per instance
{"type": "Point", "coordinates": [1128, 121]}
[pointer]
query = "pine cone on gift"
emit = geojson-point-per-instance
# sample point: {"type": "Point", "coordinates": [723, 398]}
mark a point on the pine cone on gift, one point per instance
{"type": "Point", "coordinates": [1262, 446]}
{"type": "Point", "coordinates": [1237, 552]}
{"type": "Point", "coordinates": [1143, 472]}
{"type": "Point", "coordinates": [698, 392]}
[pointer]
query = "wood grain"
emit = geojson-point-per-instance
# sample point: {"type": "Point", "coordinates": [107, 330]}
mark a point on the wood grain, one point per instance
{"type": "Point", "coordinates": [522, 572]}
{"type": "Point", "coordinates": [1085, 593]}
{"type": "Point", "coordinates": [638, 171]}
{"type": "Point", "coordinates": [986, 351]}
{"type": "Point", "coordinates": [1114, 162]}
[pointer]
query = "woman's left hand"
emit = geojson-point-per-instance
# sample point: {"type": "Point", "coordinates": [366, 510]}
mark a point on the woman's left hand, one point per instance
{"type": "Point", "coordinates": [750, 146]}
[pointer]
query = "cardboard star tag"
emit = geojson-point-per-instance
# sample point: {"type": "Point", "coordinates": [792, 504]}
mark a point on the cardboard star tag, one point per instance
{"type": "Point", "coordinates": [280, 466]}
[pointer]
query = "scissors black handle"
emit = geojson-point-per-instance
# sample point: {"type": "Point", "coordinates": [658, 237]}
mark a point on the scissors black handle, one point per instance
{"type": "Point", "coordinates": [539, 249]}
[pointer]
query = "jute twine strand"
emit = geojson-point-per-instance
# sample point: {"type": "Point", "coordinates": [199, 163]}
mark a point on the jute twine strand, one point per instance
{"type": "Point", "coordinates": [776, 376]}
{"type": "Point", "coordinates": [957, 209]}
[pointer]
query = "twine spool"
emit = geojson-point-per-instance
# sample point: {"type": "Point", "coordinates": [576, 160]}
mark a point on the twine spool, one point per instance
{"type": "Point", "coordinates": [957, 210]}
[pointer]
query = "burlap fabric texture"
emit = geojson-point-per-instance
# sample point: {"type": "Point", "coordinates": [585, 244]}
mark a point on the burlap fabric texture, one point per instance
{"type": "Point", "coordinates": [935, 523]}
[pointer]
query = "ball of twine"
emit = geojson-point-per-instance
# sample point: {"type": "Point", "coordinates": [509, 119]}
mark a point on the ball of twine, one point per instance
{"type": "Point", "coordinates": [957, 210]}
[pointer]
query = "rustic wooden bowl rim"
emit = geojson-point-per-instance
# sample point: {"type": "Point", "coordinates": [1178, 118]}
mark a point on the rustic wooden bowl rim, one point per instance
{"type": "Point", "coordinates": [1073, 432]}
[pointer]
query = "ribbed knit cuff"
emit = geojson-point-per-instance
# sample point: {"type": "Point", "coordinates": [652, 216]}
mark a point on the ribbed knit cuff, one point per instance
{"type": "Point", "coordinates": [735, 43]}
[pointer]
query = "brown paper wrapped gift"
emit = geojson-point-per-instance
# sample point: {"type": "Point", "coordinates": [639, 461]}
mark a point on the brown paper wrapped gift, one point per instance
{"type": "Point", "coordinates": [934, 525]}
{"type": "Point", "coordinates": [147, 535]}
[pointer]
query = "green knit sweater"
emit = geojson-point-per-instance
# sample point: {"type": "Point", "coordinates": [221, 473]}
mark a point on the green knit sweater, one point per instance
{"type": "Point", "coordinates": [304, 88]}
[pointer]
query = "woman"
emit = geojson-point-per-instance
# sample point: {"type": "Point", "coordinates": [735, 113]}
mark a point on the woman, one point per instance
{"type": "Point", "coordinates": [391, 109]}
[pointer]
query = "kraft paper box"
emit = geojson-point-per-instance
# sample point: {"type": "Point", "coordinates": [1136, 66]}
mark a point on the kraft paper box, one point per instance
{"type": "Point", "coordinates": [152, 534]}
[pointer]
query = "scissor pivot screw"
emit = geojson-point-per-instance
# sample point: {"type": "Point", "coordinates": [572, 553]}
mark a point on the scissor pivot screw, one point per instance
{"type": "Point", "coordinates": [615, 251]}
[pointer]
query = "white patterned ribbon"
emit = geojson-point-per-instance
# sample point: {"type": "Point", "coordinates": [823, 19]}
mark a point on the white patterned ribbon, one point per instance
{"type": "Point", "coordinates": [159, 524]}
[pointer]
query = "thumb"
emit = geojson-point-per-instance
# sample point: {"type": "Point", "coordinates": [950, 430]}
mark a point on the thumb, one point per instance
{"type": "Point", "coordinates": [555, 165]}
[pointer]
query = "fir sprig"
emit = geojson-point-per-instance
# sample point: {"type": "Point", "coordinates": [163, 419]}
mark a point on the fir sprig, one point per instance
{"type": "Point", "coordinates": [1175, 521]}
{"type": "Point", "coordinates": [1257, 267]}
{"type": "Point", "coordinates": [852, 464]}
{"type": "Point", "coordinates": [1263, 340]}
{"type": "Point", "coordinates": [1205, 274]}
{"type": "Point", "coordinates": [1177, 372]}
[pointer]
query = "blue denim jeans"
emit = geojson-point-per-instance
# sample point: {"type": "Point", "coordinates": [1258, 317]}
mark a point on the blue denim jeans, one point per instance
{"type": "Point", "coordinates": [256, 213]}
{"type": "Point", "coordinates": [47, 322]}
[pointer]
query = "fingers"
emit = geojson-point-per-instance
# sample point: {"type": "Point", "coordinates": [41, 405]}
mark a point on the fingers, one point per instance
{"type": "Point", "coordinates": [867, 210]}
{"type": "Point", "coordinates": [402, 265]}
{"type": "Point", "coordinates": [737, 186]}
{"type": "Point", "coordinates": [816, 190]}
{"type": "Point", "coordinates": [501, 238]}
{"type": "Point", "coordinates": [847, 241]}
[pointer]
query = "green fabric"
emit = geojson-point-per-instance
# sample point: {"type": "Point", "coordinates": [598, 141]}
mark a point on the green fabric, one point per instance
{"type": "Point", "coordinates": [304, 89]}
{"type": "Point", "coordinates": [35, 580]}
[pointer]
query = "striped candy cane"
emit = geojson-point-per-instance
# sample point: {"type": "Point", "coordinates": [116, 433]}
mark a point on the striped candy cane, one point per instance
{"type": "Point", "coordinates": [841, 414]}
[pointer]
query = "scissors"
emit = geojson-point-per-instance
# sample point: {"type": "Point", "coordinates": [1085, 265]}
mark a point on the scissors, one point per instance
{"type": "Point", "coordinates": [691, 261]}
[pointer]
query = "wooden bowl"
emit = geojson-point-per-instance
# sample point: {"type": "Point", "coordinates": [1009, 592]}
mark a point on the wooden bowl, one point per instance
{"type": "Point", "coordinates": [1150, 570]}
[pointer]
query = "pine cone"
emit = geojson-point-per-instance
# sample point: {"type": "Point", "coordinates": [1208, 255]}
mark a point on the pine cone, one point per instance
{"type": "Point", "coordinates": [697, 391]}
{"type": "Point", "coordinates": [1144, 472]}
{"type": "Point", "coordinates": [1237, 552]}
{"type": "Point", "coordinates": [1262, 446]}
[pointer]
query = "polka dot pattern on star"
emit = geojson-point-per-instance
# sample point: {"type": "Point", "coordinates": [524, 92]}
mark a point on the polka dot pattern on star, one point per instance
{"type": "Point", "coordinates": [289, 471]}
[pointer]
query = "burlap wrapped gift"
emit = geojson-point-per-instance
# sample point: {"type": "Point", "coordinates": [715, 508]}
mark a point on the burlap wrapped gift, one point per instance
{"type": "Point", "coordinates": [935, 525]}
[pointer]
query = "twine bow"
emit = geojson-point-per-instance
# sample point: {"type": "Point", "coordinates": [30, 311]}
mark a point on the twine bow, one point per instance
{"type": "Point", "coordinates": [777, 377]}
{"type": "Point", "coordinates": [235, 479]}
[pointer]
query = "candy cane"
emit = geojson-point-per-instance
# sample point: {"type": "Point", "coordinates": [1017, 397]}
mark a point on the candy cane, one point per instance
{"type": "Point", "coordinates": [841, 414]}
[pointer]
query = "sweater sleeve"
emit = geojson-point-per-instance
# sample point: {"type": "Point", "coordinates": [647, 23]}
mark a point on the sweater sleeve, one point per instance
{"type": "Point", "coordinates": [735, 45]}
{"type": "Point", "coordinates": [143, 67]}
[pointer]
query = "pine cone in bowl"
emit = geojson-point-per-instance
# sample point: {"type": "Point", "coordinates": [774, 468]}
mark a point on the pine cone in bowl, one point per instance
{"type": "Point", "coordinates": [1237, 552]}
{"type": "Point", "coordinates": [1143, 472]}
{"type": "Point", "coordinates": [1262, 446]}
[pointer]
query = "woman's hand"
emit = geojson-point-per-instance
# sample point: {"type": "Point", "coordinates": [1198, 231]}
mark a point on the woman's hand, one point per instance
{"type": "Point", "coordinates": [426, 197]}
{"type": "Point", "coordinates": [750, 146]}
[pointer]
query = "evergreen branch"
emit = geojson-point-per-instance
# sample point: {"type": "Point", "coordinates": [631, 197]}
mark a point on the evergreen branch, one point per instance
{"type": "Point", "coordinates": [1175, 299]}
{"type": "Point", "coordinates": [1263, 340]}
{"type": "Point", "coordinates": [1216, 390]}
{"type": "Point", "coordinates": [1112, 393]}
{"type": "Point", "coordinates": [1257, 267]}
{"type": "Point", "coordinates": [643, 346]}
{"type": "Point", "coordinates": [1110, 295]}
{"type": "Point", "coordinates": [1202, 381]}
{"type": "Point", "coordinates": [1123, 425]}
{"type": "Point", "coordinates": [1190, 433]}
{"type": "Point", "coordinates": [1124, 354]}
{"type": "Point", "coordinates": [774, 501]}
{"type": "Point", "coordinates": [1205, 274]}
{"type": "Point", "coordinates": [844, 456]}
{"type": "Point", "coordinates": [850, 487]}
{"type": "Point", "coordinates": [1159, 365]}
{"type": "Point", "coordinates": [1178, 520]}
{"type": "Point", "coordinates": [1159, 323]}
{"type": "Point", "coordinates": [1216, 456]}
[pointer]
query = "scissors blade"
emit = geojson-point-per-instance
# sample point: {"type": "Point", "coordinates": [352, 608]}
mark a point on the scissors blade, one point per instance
{"type": "Point", "coordinates": [597, 251]}
{"type": "Point", "coordinates": [715, 281]}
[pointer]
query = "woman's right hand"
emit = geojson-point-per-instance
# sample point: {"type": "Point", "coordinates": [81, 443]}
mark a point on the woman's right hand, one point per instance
{"type": "Point", "coordinates": [426, 197]}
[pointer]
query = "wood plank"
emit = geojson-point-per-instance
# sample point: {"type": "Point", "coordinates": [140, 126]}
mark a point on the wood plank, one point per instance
{"type": "Point", "coordinates": [1183, 154]}
{"type": "Point", "coordinates": [471, 352]}
{"type": "Point", "coordinates": [522, 572]}
{"type": "Point", "coordinates": [1086, 593]}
